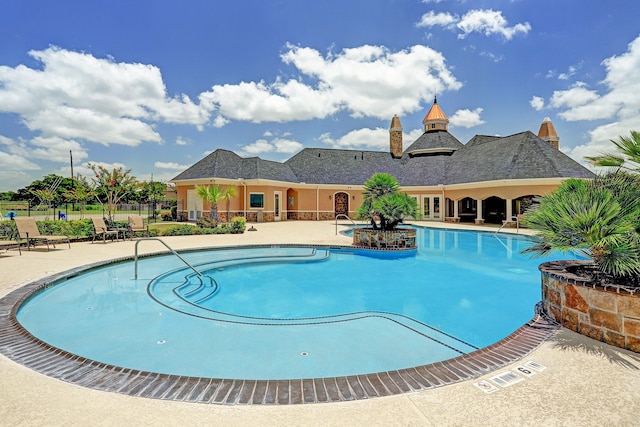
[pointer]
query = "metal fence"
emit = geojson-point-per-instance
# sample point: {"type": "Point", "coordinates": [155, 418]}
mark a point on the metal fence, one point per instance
{"type": "Point", "coordinates": [71, 211]}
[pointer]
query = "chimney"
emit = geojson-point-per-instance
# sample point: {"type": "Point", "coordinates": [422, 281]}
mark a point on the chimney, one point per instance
{"type": "Point", "coordinates": [395, 137]}
{"type": "Point", "coordinates": [548, 133]}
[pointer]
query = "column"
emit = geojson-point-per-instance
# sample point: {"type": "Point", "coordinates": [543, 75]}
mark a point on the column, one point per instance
{"type": "Point", "coordinates": [479, 219]}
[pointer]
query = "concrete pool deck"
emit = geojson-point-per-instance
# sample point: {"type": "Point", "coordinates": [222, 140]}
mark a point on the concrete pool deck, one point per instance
{"type": "Point", "coordinates": [585, 383]}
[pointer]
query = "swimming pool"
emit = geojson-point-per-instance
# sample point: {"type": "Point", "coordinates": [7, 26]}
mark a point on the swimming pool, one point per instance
{"type": "Point", "coordinates": [278, 312]}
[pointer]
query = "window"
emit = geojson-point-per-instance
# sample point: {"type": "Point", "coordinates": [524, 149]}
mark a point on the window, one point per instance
{"type": "Point", "coordinates": [256, 200]}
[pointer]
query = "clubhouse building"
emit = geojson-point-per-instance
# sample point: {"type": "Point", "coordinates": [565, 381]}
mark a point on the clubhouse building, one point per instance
{"type": "Point", "coordinates": [488, 179]}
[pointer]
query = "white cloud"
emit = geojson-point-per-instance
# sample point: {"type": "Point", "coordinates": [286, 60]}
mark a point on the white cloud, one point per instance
{"type": "Point", "coordinates": [571, 71]}
{"type": "Point", "coordinates": [182, 141]}
{"type": "Point", "coordinates": [467, 118]}
{"type": "Point", "coordinates": [276, 145]}
{"type": "Point", "coordinates": [170, 165]}
{"type": "Point", "coordinates": [537, 103]}
{"type": "Point", "coordinates": [484, 21]}
{"type": "Point", "coordinates": [443, 19]}
{"type": "Point", "coordinates": [11, 162]}
{"type": "Point", "coordinates": [367, 139]}
{"type": "Point", "coordinates": [78, 96]}
{"type": "Point", "coordinates": [489, 22]}
{"type": "Point", "coordinates": [492, 56]}
{"type": "Point", "coordinates": [580, 102]}
{"type": "Point", "coordinates": [364, 81]}
{"type": "Point", "coordinates": [618, 104]}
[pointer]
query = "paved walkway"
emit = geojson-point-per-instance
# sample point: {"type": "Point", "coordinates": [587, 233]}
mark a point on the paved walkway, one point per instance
{"type": "Point", "coordinates": [585, 382]}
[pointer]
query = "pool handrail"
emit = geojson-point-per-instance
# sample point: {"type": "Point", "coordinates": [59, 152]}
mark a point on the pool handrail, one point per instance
{"type": "Point", "coordinates": [168, 247]}
{"type": "Point", "coordinates": [515, 219]}
{"type": "Point", "coordinates": [345, 216]}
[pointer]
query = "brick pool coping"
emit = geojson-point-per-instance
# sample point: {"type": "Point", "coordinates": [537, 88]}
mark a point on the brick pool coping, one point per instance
{"type": "Point", "coordinates": [17, 344]}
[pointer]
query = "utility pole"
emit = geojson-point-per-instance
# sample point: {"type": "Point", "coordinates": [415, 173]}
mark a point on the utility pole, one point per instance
{"type": "Point", "coordinates": [71, 158]}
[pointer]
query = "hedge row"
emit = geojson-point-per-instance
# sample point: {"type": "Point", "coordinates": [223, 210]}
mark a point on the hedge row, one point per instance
{"type": "Point", "coordinates": [82, 229]}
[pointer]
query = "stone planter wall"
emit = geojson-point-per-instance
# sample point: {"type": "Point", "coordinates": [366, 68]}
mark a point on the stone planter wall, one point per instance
{"type": "Point", "coordinates": [605, 314]}
{"type": "Point", "coordinates": [401, 238]}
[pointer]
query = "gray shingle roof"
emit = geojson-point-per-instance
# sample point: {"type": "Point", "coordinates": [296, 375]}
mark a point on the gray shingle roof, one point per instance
{"type": "Point", "coordinates": [518, 156]}
{"type": "Point", "coordinates": [434, 140]}
{"type": "Point", "coordinates": [227, 164]}
{"type": "Point", "coordinates": [350, 167]}
{"type": "Point", "coordinates": [483, 158]}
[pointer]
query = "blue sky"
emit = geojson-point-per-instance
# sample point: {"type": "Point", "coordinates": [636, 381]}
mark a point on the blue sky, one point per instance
{"type": "Point", "coordinates": [154, 86]}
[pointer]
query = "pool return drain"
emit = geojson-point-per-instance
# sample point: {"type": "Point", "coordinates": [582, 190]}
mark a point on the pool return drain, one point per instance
{"type": "Point", "coordinates": [304, 353]}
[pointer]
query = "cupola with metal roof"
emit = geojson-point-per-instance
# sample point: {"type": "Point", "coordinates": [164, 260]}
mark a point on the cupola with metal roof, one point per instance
{"type": "Point", "coordinates": [436, 139]}
{"type": "Point", "coordinates": [436, 119]}
{"type": "Point", "coordinates": [548, 133]}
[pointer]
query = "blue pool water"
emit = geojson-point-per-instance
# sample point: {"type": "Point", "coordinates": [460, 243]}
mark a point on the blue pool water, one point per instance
{"type": "Point", "coordinates": [294, 312]}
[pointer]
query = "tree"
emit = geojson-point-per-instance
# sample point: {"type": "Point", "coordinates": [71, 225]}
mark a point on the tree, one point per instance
{"type": "Point", "coordinates": [211, 194]}
{"type": "Point", "coordinates": [56, 183]}
{"type": "Point", "coordinates": [629, 147]}
{"type": "Point", "coordinates": [80, 194]}
{"type": "Point", "coordinates": [227, 194]}
{"type": "Point", "coordinates": [382, 200]}
{"type": "Point", "coordinates": [111, 186]}
{"type": "Point", "coordinates": [7, 195]}
{"type": "Point", "coordinates": [599, 219]}
{"type": "Point", "coordinates": [45, 195]}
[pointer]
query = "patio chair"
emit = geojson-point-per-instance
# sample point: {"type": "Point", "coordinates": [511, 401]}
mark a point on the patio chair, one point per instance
{"type": "Point", "coordinates": [28, 229]}
{"type": "Point", "coordinates": [6, 244]}
{"type": "Point", "coordinates": [101, 229]}
{"type": "Point", "coordinates": [136, 224]}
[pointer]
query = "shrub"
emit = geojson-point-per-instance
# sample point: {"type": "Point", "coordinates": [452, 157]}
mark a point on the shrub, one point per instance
{"type": "Point", "coordinates": [76, 229]}
{"type": "Point", "coordinates": [238, 224]}
{"type": "Point", "coordinates": [185, 230]}
{"type": "Point", "coordinates": [207, 222]}
{"type": "Point", "coordinates": [166, 216]}
{"type": "Point", "coordinates": [599, 219]}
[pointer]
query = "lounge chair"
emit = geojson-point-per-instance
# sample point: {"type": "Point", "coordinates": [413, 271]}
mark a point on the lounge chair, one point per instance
{"type": "Point", "coordinates": [28, 229]}
{"type": "Point", "coordinates": [136, 224]}
{"type": "Point", "coordinates": [9, 244]}
{"type": "Point", "coordinates": [100, 229]}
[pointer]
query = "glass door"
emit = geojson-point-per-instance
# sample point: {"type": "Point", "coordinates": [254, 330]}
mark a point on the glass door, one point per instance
{"type": "Point", "coordinates": [277, 200]}
{"type": "Point", "coordinates": [431, 208]}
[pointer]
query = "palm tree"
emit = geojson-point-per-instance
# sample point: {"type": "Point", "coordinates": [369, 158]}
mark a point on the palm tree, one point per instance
{"type": "Point", "coordinates": [599, 219]}
{"type": "Point", "coordinates": [629, 147]}
{"type": "Point", "coordinates": [228, 194]}
{"type": "Point", "coordinates": [211, 194]}
{"type": "Point", "coordinates": [383, 200]}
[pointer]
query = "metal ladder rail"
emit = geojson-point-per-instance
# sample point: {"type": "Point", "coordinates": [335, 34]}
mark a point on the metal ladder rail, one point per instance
{"type": "Point", "coordinates": [517, 220]}
{"type": "Point", "coordinates": [345, 216]}
{"type": "Point", "coordinates": [170, 249]}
